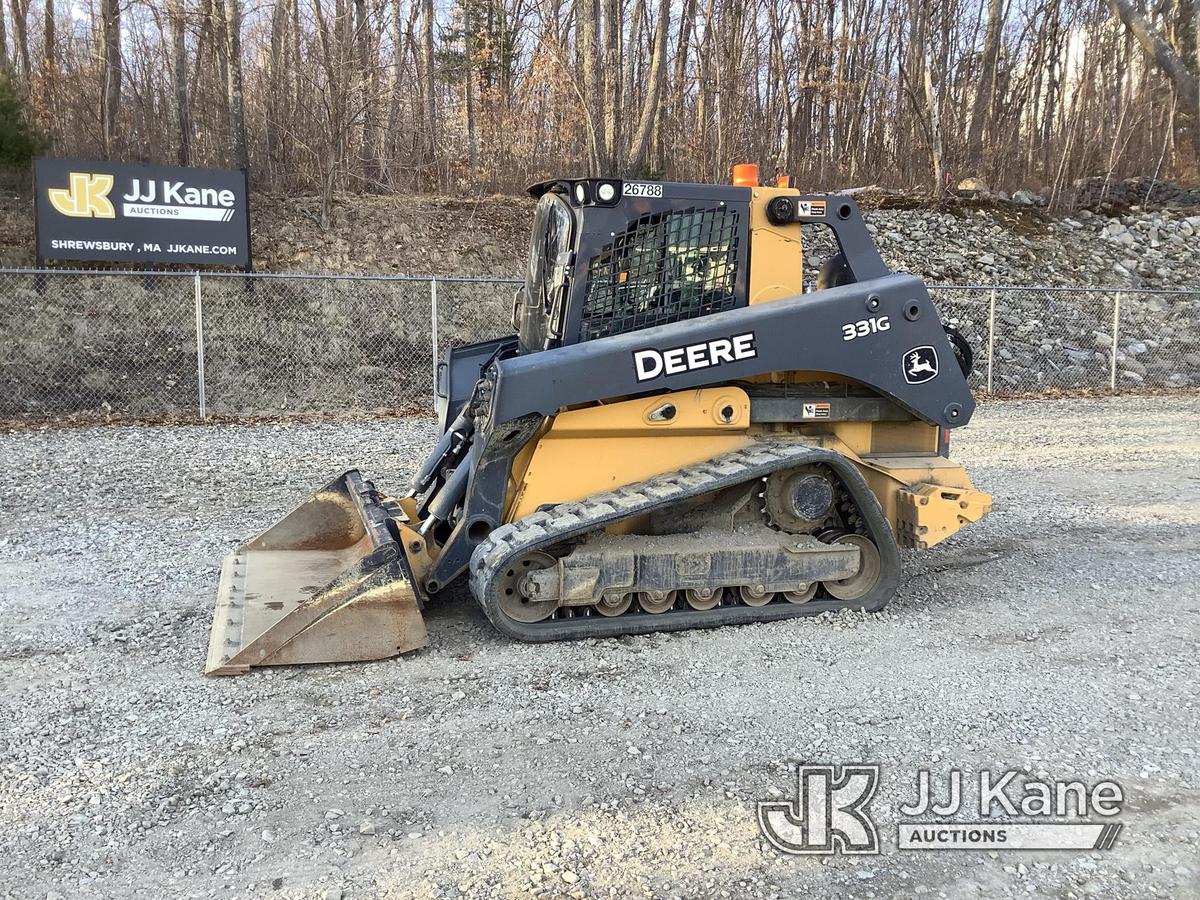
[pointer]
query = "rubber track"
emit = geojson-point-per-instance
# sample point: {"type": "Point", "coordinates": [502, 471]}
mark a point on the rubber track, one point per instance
{"type": "Point", "coordinates": [548, 528]}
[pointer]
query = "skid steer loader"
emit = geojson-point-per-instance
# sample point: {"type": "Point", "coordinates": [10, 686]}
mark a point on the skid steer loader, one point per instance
{"type": "Point", "coordinates": [676, 436]}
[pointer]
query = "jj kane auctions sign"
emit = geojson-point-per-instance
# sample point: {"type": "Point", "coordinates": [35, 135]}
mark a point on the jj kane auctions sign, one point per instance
{"type": "Point", "coordinates": [126, 212]}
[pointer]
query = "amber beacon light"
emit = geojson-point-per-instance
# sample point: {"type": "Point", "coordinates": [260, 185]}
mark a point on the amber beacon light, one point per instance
{"type": "Point", "coordinates": [745, 175]}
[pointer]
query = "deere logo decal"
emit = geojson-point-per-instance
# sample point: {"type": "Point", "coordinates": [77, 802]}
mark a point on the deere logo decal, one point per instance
{"type": "Point", "coordinates": [86, 197]}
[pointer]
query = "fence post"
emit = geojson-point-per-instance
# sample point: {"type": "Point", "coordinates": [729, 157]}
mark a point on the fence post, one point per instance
{"type": "Point", "coordinates": [1112, 361]}
{"type": "Point", "coordinates": [991, 337]}
{"type": "Point", "coordinates": [433, 330]}
{"type": "Point", "coordinates": [200, 347]}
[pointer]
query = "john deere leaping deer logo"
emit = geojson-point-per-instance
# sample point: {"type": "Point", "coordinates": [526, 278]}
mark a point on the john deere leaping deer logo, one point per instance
{"type": "Point", "coordinates": [920, 364]}
{"type": "Point", "coordinates": [87, 196]}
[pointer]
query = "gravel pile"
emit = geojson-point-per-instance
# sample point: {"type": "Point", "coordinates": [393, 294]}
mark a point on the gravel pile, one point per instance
{"type": "Point", "coordinates": [1056, 637]}
{"type": "Point", "coordinates": [972, 245]}
{"type": "Point", "coordinates": [1101, 194]}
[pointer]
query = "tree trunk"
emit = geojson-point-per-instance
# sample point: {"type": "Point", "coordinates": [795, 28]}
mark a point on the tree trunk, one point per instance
{"type": "Point", "coordinates": [296, 96]}
{"type": "Point", "coordinates": [237, 107]}
{"type": "Point", "coordinates": [588, 13]}
{"type": "Point", "coordinates": [1053, 83]}
{"type": "Point", "coordinates": [328, 154]}
{"type": "Point", "coordinates": [276, 89]}
{"type": "Point", "coordinates": [368, 99]}
{"type": "Point", "coordinates": [3, 39]}
{"type": "Point", "coordinates": [610, 26]}
{"type": "Point", "coordinates": [179, 76]}
{"type": "Point", "coordinates": [987, 81]}
{"type": "Point", "coordinates": [20, 14]}
{"type": "Point", "coordinates": [625, 92]}
{"type": "Point", "coordinates": [432, 129]}
{"type": "Point", "coordinates": [677, 99]}
{"type": "Point", "coordinates": [916, 53]}
{"type": "Point", "coordinates": [469, 88]}
{"type": "Point", "coordinates": [220, 30]}
{"type": "Point", "coordinates": [1174, 66]}
{"type": "Point", "coordinates": [649, 114]}
{"type": "Point", "coordinates": [935, 131]}
{"type": "Point", "coordinates": [49, 65]}
{"type": "Point", "coordinates": [399, 48]}
{"type": "Point", "coordinates": [1187, 85]}
{"type": "Point", "coordinates": [111, 95]}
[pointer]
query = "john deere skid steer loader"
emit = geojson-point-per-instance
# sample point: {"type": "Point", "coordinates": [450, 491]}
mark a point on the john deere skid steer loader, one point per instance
{"type": "Point", "coordinates": [676, 436]}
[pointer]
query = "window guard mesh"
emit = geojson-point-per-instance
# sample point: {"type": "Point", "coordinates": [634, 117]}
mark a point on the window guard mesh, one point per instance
{"type": "Point", "coordinates": [665, 267]}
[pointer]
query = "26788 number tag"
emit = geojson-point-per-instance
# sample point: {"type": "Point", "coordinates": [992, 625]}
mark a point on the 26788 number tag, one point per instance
{"type": "Point", "coordinates": [863, 327]}
{"type": "Point", "coordinates": [642, 189]}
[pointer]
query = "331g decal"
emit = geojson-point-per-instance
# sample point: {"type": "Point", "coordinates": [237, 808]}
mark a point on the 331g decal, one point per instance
{"type": "Point", "coordinates": [863, 327]}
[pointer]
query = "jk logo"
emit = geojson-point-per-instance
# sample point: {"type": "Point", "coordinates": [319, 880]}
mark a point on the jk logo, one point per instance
{"type": "Point", "coordinates": [829, 814]}
{"type": "Point", "coordinates": [87, 196]}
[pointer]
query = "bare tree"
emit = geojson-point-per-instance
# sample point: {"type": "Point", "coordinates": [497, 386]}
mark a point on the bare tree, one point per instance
{"type": "Point", "coordinates": [588, 14]}
{"type": "Point", "coordinates": [180, 81]}
{"type": "Point", "coordinates": [110, 98]}
{"type": "Point", "coordinates": [650, 99]}
{"type": "Point", "coordinates": [431, 122]}
{"type": "Point", "coordinates": [367, 97]}
{"type": "Point", "coordinates": [982, 106]}
{"type": "Point", "coordinates": [49, 58]}
{"type": "Point", "coordinates": [346, 95]}
{"type": "Point", "coordinates": [237, 108]}
{"type": "Point", "coordinates": [468, 38]}
{"type": "Point", "coordinates": [20, 17]}
{"type": "Point", "coordinates": [935, 131]}
{"type": "Point", "coordinates": [1172, 64]}
{"type": "Point", "coordinates": [3, 38]}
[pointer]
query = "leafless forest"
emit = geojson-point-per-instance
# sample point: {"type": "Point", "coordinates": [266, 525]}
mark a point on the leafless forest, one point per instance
{"type": "Point", "coordinates": [377, 95]}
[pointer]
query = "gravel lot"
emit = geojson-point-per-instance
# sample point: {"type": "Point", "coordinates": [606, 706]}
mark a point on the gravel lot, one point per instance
{"type": "Point", "coordinates": [1057, 637]}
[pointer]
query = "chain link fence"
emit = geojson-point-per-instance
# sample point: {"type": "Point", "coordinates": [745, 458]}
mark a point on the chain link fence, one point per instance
{"type": "Point", "coordinates": [97, 344]}
{"type": "Point", "coordinates": [120, 345]}
{"type": "Point", "coordinates": [1038, 339]}
{"type": "Point", "coordinates": [295, 344]}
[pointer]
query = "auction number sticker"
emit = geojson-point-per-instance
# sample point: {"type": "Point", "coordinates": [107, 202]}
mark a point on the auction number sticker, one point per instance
{"type": "Point", "coordinates": [642, 189]}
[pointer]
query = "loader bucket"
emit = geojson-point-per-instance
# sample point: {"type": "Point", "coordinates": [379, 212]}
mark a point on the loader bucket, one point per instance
{"type": "Point", "coordinates": [327, 583]}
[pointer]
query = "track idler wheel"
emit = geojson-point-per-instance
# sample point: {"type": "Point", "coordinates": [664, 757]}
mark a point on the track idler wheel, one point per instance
{"type": "Point", "coordinates": [512, 599]}
{"type": "Point", "coordinates": [869, 568]}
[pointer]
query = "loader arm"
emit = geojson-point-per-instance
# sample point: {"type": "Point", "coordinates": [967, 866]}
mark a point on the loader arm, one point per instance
{"type": "Point", "coordinates": [800, 333]}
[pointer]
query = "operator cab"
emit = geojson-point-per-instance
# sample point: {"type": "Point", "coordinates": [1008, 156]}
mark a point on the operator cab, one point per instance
{"type": "Point", "coordinates": [608, 257]}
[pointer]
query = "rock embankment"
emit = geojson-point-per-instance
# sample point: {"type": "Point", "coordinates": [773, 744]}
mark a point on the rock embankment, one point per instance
{"type": "Point", "coordinates": [1142, 249]}
{"type": "Point", "coordinates": [970, 242]}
